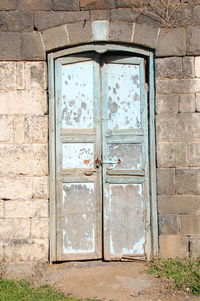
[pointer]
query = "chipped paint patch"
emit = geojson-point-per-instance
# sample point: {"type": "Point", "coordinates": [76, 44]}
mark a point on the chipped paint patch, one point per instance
{"type": "Point", "coordinates": [77, 95]}
{"type": "Point", "coordinates": [123, 96]}
{"type": "Point", "coordinates": [77, 155]}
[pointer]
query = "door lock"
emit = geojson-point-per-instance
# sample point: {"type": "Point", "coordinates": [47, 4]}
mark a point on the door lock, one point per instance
{"type": "Point", "coordinates": [100, 162]}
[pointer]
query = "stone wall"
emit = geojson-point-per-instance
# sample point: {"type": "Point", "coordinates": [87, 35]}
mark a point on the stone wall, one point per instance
{"type": "Point", "coordinates": [31, 28]}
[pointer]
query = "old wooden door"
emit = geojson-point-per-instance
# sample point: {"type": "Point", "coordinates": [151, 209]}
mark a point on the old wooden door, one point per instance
{"type": "Point", "coordinates": [102, 168]}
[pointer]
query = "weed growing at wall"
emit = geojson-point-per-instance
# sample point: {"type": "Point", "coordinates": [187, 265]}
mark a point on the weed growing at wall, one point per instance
{"type": "Point", "coordinates": [185, 273]}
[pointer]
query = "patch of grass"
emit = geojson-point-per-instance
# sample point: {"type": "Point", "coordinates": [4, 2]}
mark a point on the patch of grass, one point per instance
{"type": "Point", "coordinates": [24, 291]}
{"type": "Point", "coordinates": [185, 273]}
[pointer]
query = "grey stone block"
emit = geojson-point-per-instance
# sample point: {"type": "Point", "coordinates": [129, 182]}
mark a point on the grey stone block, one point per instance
{"type": "Point", "coordinates": [124, 14]}
{"type": "Point", "coordinates": [171, 155]}
{"type": "Point", "coordinates": [197, 105]}
{"type": "Point", "coordinates": [10, 46]}
{"type": "Point", "coordinates": [171, 42]}
{"type": "Point", "coordinates": [169, 224]}
{"type": "Point", "coordinates": [55, 37]}
{"type": "Point", "coordinates": [129, 3]}
{"type": "Point", "coordinates": [79, 32]}
{"type": "Point", "coordinates": [32, 47]}
{"type": "Point", "coordinates": [147, 18]}
{"type": "Point", "coordinates": [178, 86]}
{"type": "Point", "coordinates": [169, 67]}
{"type": "Point", "coordinates": [66, 4]}
{"type": "Point", "coordinates": [145, 35]}
{"type": "Point", "coordinates": [100, 15]}
{"type": "Point", "coordinates": [44, 20]}
{"type": "Point", "coordinates": [193, 41]}
{"type": "Point", "coordinates": [34, 5]}
{"type": "Point", "coordinates": [195, 247]}
{"type": "Point", "coordinates": [166, 181]}
{"type": "Point", "coordinates": [188, 67]}
{"type": "Point", "coordinates": [187, 181]}
{"type": "Point", "coordinates": [16, 21]}
{"type": "Point", "coordinates": [184, 15]}
{"type": "Point", "coordinates": [167, 104]}
{"type": "Point", "coordinates": [180, 127]}
{"type": "Point", "coordinates": [194, 154]}
{"type": "Point", "coordinates": [121, 32]}
{"type": "Point", "coordinates": [8, 4]}
{"type": "Point", "coordinates": [179, 204]}
{"type": "Point", "coordinates": [187, 103]}
{"type": "Point", "coordinates": [96, 4]}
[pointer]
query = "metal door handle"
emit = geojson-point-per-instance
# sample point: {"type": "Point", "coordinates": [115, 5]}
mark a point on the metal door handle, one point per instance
{"type": "Point", "coordinates": [100, 162]}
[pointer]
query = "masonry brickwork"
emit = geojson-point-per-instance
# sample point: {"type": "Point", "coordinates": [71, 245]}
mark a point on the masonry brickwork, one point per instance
{"type": "Point", "coordinates": [29, 29]}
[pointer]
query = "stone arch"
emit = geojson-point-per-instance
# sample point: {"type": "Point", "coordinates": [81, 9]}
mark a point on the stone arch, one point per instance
{"type": "Point", "coordinates": [165, 42]}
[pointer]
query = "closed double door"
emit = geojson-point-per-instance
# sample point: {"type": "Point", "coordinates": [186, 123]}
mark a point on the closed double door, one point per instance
{"type": "Point", "coordinates": [102, 168]}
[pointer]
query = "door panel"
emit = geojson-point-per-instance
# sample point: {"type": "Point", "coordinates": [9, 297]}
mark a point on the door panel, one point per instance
{"type": "Point", "coordinates": [79, 208]}
{"type": "Point", "coordinates": [125, 157]}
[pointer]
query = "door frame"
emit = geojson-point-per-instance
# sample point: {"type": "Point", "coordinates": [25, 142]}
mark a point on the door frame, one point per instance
{"type": "Point", "coordinates": [152, 211]}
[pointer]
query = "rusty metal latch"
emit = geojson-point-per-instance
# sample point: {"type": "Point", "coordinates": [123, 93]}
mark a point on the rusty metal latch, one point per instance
{"type": "Point", "coordinates": [100, 162]}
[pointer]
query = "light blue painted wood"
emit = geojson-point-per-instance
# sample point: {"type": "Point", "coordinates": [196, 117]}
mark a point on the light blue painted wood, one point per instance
{"type": "Point", "coordinates": [125, 109]}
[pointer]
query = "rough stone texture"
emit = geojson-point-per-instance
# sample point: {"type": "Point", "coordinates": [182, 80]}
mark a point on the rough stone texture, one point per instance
{"type": "Point", "coordinates": [18, 271]}
{"type": "Point", "coordinates": [1, 251]}
{"type": "Point", "coordinates": [29, 102]}
{"type": "Point", "coordinates": [188, 67]}
{"type": "Point", "coordinates": [124, 14]}
{"type": "Point", "coordinates": [171, 155]}
{"type": "Point", "coordinates": [197, 66]}
{"type": "Point", "coordinates": [26, 209]}
{"type": "Point", "coordinates": [36, 129]}
{"type": "Point", "coordinates": [55, 37]}
{"type": "Point", "coordinates": [23, 160]}
{"type": "Point", "coordinates": [39, 227]}
{"type": "Point", "coordinates": [187, 181]}
{"type": "Point", "coordinates": [145, 35]}
{"type": "Point", "coordinates": [180, 127]}
{"type": "Point", "coordinates": [190, 224]}
{"type": "Point", "coordinates": [129, 3]}
{"type": "Point", "coordinates": [18, 129]}
{"type": "Point", "coordinates": [120, 32]}
{"type": "Point", "coordinates": [171, 42]}
{"type": "Point", "coordinates": [66, 4]}
{"type": "Point", "coordinates": [10, 46]}
{"type": "Point", "coordinates": [1, 209]}
{"type": "Point", "coordinates": [6, 129]}
{"type": "Point", "coordinates": [173, 246]}
{"type": "Point", "coordinates": [169, 67]}
{"type": "Point", "coordinates": [16, 21]}
{"type": "Point", "coordinates": [194, 154]}
{"type": "Point", "coordinates": [32, 41]}
{"type": "Point", "coordinates": [179, 204]}
{"type": "Point", "coordinates": [44, 20]}
{"type": "Point", "coordinates": [83, 32]}
{"type": "Point", "coordinates": [100, 15]}
{"type": "Point", "coordinates": [197, 102]}
{"type": "Point", "coordinates": [187, 103]}
{"type": "Point", "coordinates": [193, 42]}
{"type": "Point", "coordinates": [176, 86]}
{"type": "Point", "coordinates": [194, 246]}
{"type": "Point", "coordinates": [14, 228]}
{"type": "Point", "coordinates": [165, 181]}
{"type": "Point", "coordinates": [8, 4]}
{"type": "Point", "coordinates": [34, 5]}
{"type": "Point", "coordinates": [96, 4]}
{"type": "Point", "coordinates": [169, 224]}
{"type": "Point", "coordinates": [167, 104]}
{"type": "Point", "coordinates": [26, 250]}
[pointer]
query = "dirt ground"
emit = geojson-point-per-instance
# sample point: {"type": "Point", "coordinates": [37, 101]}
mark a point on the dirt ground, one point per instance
{"type": "Point", "coordinates": [118, 281]}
